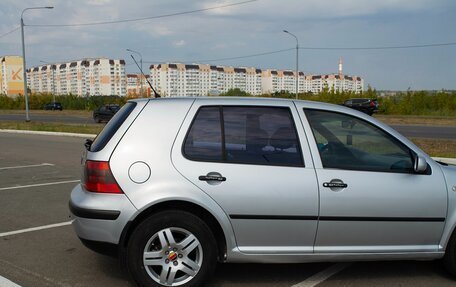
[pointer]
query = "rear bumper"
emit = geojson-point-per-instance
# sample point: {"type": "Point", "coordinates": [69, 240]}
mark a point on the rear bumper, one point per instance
{"type": "Point", "coordinates": [93, 213]}
{"type": "Point", "coordinates": [99, 217]}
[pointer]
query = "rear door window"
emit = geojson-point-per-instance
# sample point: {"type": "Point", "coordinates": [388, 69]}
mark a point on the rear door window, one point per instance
{"type": "Point", "coordinates": [204, 140]}
{"type": "Point", "coordinates": [244, 134]}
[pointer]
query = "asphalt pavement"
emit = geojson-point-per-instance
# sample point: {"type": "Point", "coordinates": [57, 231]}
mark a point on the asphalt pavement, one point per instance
{"type": "Point", "coordinates": [39, 248]}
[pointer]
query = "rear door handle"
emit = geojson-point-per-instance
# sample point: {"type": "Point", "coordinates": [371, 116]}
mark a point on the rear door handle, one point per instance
{"type": "Point", "coordinates": [212, 176]}
{"type": "Point", "coordinates": [335, 184]}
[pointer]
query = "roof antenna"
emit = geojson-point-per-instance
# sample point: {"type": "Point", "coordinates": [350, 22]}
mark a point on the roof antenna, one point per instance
{"type": "Point", "coordinates": [156, 95]}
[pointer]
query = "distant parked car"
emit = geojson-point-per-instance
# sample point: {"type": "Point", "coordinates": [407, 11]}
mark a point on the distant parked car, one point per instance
{"type": "Point", "coordinates": [105, 113]}
{"type": "Point", "coordinates": [53, 106]}
{"type": "Point", "coordinates": [367, 106]}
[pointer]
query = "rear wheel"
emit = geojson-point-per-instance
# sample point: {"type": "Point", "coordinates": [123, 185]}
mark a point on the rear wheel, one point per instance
{"type": "Point", "coordinates": [449, 260]}
{"type": "Point", "coordinates": [171, 248]}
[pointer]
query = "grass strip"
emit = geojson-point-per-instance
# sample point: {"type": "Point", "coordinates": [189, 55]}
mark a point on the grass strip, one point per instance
{"type": "Point", "coordinates": [52, 127]}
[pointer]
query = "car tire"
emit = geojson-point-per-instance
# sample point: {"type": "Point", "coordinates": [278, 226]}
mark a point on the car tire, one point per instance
{"type": "Point", "coordinates": [97, 120]}
{"type": "Point", "coordinates": [449, 260]}
{"type": "Point", "coordinates": [188, 257]}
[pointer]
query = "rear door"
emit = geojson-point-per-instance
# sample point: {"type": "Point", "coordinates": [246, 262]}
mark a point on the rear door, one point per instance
{"type": "Point", "coordinates": [255, 163]}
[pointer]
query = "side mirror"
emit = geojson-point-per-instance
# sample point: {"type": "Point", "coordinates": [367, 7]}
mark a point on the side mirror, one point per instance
{"type": "Point", "coordinates": [420, 164]}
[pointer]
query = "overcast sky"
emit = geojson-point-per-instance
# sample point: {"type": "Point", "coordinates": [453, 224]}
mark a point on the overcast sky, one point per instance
{"type": "Point", "coordinates": [246, 29]}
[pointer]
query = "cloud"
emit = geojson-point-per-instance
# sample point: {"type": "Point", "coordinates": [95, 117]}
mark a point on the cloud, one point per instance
{"type": "Point", "coordinates": [98, 2]}
{"type": "Point", "coordinates": [180, 43]}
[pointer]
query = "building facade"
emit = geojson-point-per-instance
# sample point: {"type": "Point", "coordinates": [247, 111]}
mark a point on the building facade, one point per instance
{"type": "Point", "coordinates": [273, 81]}
{"type": "Point", "coordinates": [134, 85]}
{"type": "Point", "coordinates": [334, 82]}
{"type": "Point", "coordinates": [86, 77]}
{"type": "Point", "coordinates": [11, 76]}
{"type": "Point", "coordinates": [175, 79]}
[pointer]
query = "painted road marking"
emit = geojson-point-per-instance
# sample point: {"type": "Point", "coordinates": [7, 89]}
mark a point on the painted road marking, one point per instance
{"type": "Point", "coordinates": [39, 184]}
{"type": "Point", "coordinates": [7, 283]}
{"type": "Point", "coordinates": [316, 279]}
{"type": "Point", "coordinates": [26, 166]}
{"type": "Point", "coordinates": [35, 229]}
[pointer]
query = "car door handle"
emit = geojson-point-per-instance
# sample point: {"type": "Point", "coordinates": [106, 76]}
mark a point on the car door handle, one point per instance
{"type": "Point", "coordinates": [335, 183]}
{"type": "Point", "coordinates": [212, 176]}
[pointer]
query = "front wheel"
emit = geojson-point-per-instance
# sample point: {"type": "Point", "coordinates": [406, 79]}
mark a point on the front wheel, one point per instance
{"type": "Point", "coordinates": [171, 248]}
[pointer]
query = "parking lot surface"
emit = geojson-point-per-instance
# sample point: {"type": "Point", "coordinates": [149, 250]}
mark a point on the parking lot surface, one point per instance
{"type": "Point", "coordinates": [39, 248]}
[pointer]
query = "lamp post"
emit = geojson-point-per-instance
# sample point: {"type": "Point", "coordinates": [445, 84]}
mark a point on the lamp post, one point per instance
{"type": "Point", "coordinates": [27, 117]}
{"type": "Point", "coordinates": [141, 65]}
{"type": "Point", "coordinates": [297, 55]}
{"type": "Point", "coordinates": [53, 79]}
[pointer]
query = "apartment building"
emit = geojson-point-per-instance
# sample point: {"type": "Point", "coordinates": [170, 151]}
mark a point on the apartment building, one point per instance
{"type": "Point", "coordinates": [86, 77]}
{"type": "Point", "coordinates": [176, 79]}
{"type": "Point", "coordinates": [336, 82]}
{"type": "Point", "coordinates": [277, 81]}
{"type": "Point", "coordinates": [134, 85]}
{"type": "Point", "coordinates": [11, 76]}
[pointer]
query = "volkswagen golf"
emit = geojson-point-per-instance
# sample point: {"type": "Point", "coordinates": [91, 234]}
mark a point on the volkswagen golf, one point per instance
{"type": "Point", "coordinates": [173, 186]}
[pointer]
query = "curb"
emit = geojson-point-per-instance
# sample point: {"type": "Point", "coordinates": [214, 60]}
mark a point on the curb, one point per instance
{"type": "Point", "coordinates": [48, 133]}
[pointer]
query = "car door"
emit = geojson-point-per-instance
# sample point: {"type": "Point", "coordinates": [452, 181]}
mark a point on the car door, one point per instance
{"type": "Point", "coordinates": [255, 163]}
{"type": "Point", "coordinates": [371, 200]}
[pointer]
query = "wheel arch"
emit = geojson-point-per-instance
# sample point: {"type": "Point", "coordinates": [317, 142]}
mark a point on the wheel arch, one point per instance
{"type": "Point", "coordinates": [180, 205]}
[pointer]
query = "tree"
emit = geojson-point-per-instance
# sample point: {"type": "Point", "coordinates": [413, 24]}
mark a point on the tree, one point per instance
{"type": "Point", "coordinates": [236, 93]}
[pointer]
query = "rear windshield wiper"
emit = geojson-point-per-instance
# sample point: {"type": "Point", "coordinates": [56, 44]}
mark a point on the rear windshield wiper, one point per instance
{"type": "Point", "coordinates": [88, 144]}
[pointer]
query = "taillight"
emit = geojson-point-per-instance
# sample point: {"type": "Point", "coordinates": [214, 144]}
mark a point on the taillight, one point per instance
{"type": "Point", "coordinates": [372, 104]}
{"type": "Point", "coordinates": [98, 178]}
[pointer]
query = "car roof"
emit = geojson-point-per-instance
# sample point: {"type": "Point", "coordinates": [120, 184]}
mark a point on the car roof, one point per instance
{"type": "Point", "coordinates": [253, 100]}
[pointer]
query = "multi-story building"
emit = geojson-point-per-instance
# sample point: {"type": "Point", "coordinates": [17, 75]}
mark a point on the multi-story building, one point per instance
{"type": "Point", "coordinates": [11, 75]}
{"type": "Point", "coordinates": [335, 82]}
{"type": "Point", "coordinates": [134, 85]}
{"type": "Point", "coordinates": [175, 79]}
{"type": "Point", "coordinates": [86, 77]}
{"type": "Point", "coordinates": [278, 81]}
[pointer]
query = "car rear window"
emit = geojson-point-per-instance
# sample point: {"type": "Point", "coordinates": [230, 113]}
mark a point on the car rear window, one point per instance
{"type": "Point", "coordinates": [111, 127]}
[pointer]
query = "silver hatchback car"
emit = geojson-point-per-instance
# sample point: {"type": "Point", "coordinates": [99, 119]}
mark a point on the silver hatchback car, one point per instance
{"type": "Point", "coordinates": [173, 186]}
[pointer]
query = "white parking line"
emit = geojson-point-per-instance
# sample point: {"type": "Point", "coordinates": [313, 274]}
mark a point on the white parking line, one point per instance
{"type": "Point", "coordinates": [39, 184]}
{"type": "Point", "coordinates": [7, 283]}
{"type": "Point", "coordinates": [35, 229]}
{"type": "Point", "coordinates": [316, 279]}
{"type": "Point", "coordinates": [26, 166]}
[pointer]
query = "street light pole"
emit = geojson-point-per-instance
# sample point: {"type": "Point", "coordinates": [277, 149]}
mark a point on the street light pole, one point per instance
{"type": "Point", "coordinates": [140, 76]}
{"type": "Point", "coordinates": [27, 117]}
{"type": "Point", "coordinates": [297, 61]}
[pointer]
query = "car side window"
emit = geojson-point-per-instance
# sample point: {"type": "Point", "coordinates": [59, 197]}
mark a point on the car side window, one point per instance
{"type": "Point", "coordinates": [347, 142]}
{"type": "Point", "coordinates": [244, 134]}
{"type": "Point", "coordinates": [204, 139]}
{"type": "Point", "coordinates": [261, 135]}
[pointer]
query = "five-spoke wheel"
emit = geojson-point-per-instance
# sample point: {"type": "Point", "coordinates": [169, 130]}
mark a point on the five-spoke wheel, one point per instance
{"type": "Point", "coordinates": [171, 248]}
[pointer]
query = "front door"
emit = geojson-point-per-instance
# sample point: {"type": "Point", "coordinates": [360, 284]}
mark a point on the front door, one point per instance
{"type": "Point", "coordinates": [371, 200]}
{"type": "Point", "coordinates": [251, 161]}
